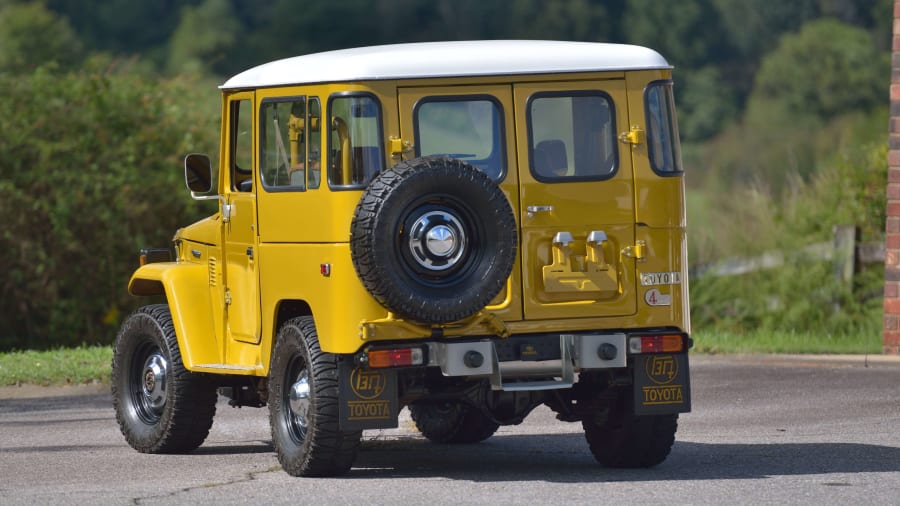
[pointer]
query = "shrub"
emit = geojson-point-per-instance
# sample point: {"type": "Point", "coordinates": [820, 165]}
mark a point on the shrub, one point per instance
{"type": "Point", "coordinates": [90, 172]}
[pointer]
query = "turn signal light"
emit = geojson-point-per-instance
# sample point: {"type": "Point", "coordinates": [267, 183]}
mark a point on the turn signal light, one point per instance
{"type": "Point", "coordinates": [397, 357]}
{"type": "Point", "coordinates": [667, 343]}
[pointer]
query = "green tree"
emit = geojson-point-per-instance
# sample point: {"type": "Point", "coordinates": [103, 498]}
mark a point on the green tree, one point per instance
{"type": "Point", "coordinates": [826, 69]}
{"type": "Point", "coordinates": [581, 20]}
{"type": "Point", "coordinates": [709, 101]}
{"type": "Point", "coordinates": [204, 38]}
{"type": "Point", "coordinates": [31, 35]}
{"type": "Point", "coordinates": [755, 26]}
{"type": "Point", "coordinates": [124, 27]}
{"type": "Point", "coordinates": [689, 34]}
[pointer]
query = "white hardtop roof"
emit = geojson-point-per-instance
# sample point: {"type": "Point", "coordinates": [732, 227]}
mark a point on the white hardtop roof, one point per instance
{"type": "Point", "coordinates": [447, 59]}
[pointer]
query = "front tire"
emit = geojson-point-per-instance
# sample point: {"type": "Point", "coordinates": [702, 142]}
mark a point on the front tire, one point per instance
{"type": "Point", "coordinates": [161, 407]}
{"type": "Point", "coordinates": [452, 422]}
{"type": "Point", "coordinates": [303, 405]}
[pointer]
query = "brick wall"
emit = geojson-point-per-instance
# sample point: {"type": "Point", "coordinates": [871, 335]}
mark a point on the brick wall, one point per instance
{"type": "Point", "coordinates": [892, 227]}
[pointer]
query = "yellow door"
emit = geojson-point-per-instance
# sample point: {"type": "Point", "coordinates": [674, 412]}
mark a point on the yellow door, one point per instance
{"type": "Point", "coordinates": [577, 200]}
{"type": "Point", "coordinates": [474, 124]}
{"type": "Point", "coordinates": [240, 232]}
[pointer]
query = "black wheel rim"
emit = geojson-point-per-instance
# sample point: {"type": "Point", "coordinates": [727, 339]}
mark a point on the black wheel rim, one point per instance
{"type": "Point", "coordinates": [148, 382]}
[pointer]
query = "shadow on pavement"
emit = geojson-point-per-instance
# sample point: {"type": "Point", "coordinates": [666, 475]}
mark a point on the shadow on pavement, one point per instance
{"type": "Point", "coordinates": [31, 404]}
{"type": "Point", "coordinates": [565, 458]}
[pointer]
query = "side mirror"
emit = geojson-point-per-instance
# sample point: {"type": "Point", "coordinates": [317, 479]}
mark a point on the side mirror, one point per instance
{"type": "Point", "coordinates": [198, 172]}
{"type": "Point", "coordinates": [198, 178]}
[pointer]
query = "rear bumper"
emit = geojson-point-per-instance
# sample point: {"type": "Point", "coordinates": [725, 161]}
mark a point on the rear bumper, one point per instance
{"type": "Point", "coordinates": [533, 361]}
{"type": "Point", "coordinates": [529, 362]}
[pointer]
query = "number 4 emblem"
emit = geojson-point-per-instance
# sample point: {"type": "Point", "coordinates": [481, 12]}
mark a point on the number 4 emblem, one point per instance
{"type": "Point", "coordinates": [654, 297]}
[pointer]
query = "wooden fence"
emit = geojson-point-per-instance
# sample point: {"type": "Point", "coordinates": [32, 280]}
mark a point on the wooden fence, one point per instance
{"type": "Point", "coordinates": [847, 253]}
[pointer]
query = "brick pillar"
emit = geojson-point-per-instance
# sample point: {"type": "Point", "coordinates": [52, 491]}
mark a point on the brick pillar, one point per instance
{"type": "Point", "coordinates": [892, 227]}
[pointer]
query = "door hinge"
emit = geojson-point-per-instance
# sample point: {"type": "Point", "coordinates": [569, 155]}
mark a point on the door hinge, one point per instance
{"type": "Point", "coordinates": [227, 297]}
{"type": "Point", "coordinates": [634, 136]}
{"type": "Point", "coordinates": [637, 252]}
{"type": "Point", "coordinates": [399, 147]}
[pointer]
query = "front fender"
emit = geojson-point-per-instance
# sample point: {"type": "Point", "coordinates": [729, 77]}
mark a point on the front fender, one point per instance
{"type": "Point", "coordinates": [186, 287]}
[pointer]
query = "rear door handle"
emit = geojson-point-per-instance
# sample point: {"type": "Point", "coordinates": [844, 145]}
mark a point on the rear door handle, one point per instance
{"type": "Point", "coordinates": [532, 210]}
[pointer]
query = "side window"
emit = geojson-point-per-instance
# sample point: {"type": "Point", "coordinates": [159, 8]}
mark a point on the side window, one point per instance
{"type": "Point", "coordinates": [572, 136]}
{"type": "Point", "coordinates": [241, 145]}
{"type": "Point", "coordinates": [283, 144]}
{"type": "Point", "coordinates": [662, 129]}
{"type": "Point", "coordinates": [468, 128]}
{"type": "Point", "coordinates": [355, 143]}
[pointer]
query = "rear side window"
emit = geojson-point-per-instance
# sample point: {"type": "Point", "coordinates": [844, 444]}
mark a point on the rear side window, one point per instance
{"type": "Point", "coordinates": [662, 129]}
{"type": "Point", "coordinates": [571, 136]}
{"type": "Point", "coordinates": [355, 147]}
{"type": "Point", "coordinates": [468, 128]}
{"type": "Point", "coordinates": [282, 127]}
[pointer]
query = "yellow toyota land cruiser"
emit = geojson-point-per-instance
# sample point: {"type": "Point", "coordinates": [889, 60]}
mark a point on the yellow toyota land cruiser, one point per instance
{"type": "Point", "coordinates": [466, 229]}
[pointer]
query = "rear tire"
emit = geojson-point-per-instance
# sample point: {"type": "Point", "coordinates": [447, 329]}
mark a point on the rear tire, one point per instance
{"type": "Point", "coordinates": [303, 405]}
{"type": "Point", "coordinates": [161, 407]}
{"type": "Point", "coordinates": [452, 422]}
{"type": "Point", "coordinates": [629, 441]}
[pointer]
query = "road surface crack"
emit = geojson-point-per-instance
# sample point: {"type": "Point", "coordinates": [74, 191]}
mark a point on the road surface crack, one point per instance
{"type": "Point", "coordinates": [251, 476]}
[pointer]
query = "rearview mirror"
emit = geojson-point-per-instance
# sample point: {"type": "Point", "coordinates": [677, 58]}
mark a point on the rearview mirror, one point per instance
{"type": "Point", "coordinates": [198, 172]}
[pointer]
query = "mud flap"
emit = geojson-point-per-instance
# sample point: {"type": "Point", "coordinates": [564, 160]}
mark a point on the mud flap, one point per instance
{"type": "Point", "coordinates": [368, 397]}
{"type": "Point", "coordinates": [661, 384]}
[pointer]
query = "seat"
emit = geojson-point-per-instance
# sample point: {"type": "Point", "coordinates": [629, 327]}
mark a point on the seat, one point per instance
{"type": "Point", "coordinates": [367, 161]}
{"type": "Point", "coordinates": [550, 159]}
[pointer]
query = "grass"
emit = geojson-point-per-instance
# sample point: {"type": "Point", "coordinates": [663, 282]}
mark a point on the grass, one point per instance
{"type": "Point", "coordinates": [785, 342]}
{"type": "Point", "coordinates": [69, 366]}
{"type": "Point", "coordinates": [63, 366]}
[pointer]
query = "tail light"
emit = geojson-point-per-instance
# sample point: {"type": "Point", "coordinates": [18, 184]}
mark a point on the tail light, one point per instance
{"type": "Point", "coordinates": [659, 343]}
{"type": "Point", "coordinates": [395, 357]}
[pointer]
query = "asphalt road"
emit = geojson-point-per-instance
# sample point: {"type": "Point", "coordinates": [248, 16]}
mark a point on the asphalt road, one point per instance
{"type": "Point", "coordinates": [764, 430]}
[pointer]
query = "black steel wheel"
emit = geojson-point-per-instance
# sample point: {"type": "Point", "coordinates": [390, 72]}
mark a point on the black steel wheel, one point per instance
{"type": "Point", "coordinates": [451, 422]}
{"type": "Point", "coordinates": [161, 407]}
{"type": "Point", "coordinates": [433, 239]}
{"type": "Point", "coordinates": [303, 405]}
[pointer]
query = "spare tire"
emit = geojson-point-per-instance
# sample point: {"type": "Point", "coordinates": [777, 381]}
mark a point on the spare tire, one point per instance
{"type": "Point", "coordinates": [433, 239]}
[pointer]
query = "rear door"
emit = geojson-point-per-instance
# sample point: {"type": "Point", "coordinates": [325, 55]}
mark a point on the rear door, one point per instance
{"type": "Point", "coordinates": [576, 197]}
{"type": "Point", "coordinates": [474, 124]}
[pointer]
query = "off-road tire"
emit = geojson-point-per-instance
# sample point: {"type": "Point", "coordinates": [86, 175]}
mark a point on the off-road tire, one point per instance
{"type": "Point", "coordinates": [310, 444]}
{"type": "Point", "coordinates": [452, 422]}
{"type": "Point", "coordinates": [169, 411]}
{"type": "Point", "coordinates": [630, 441]}
{"type": "Point", "coordinates": [393, 250]}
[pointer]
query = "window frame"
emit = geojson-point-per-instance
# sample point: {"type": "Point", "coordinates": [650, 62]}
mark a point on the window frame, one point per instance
{"type": "Point", "coordinates": [571, 94]}
{"type": "Point", "coordinates": [672, 127]}
{"type": "Point", "coordinates": [328, 146]}
{"type": "Point", "coordinates": [234, 120]}
{"type": "Point", "coordinates": [500, 133]}
{"type": "Point", "coordinates": [278, 100]}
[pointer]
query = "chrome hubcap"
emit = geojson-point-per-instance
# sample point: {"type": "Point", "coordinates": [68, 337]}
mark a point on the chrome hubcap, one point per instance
{"type": "Point", "coordinates": [440, 240]}
{"type": "Point", "coordinates": [153, 384]}
{"type": "Point", "coordinates": [437, 240]}
{"type": "Point", "coordinates": [298, 399]}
